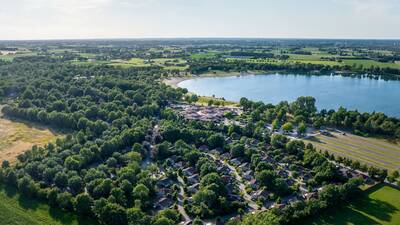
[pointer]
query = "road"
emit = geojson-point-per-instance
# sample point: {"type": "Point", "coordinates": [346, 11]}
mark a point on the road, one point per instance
{"type": "Point", "coordinates": [242, 187]}
{"type": "Point", "coordinates": [182, 196]}
{"type": "Point", "coordinates": [147, 161]}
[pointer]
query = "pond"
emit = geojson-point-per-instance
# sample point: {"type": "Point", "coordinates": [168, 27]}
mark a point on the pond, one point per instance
{"type": "Point", "coordinates": [330, 91]}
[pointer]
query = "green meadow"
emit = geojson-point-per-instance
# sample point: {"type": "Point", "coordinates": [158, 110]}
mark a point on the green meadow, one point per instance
{"type": "Point", "coordinates": [380, 205]}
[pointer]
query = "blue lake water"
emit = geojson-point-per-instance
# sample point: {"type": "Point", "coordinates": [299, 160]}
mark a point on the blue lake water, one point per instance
{"type": "Point", "coordinates": [331, 92]}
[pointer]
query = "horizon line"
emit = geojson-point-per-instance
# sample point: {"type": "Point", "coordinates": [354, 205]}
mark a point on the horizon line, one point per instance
{"type": "Point", "coordinates": [194, 37]}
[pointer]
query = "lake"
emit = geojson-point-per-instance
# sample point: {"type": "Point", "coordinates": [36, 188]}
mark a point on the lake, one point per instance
{"type": "Point", "coordinates": [331, 92]}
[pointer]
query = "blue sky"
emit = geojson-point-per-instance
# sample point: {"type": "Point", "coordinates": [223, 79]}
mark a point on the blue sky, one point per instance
{"type": "Point", "coordinates": [70, 19]}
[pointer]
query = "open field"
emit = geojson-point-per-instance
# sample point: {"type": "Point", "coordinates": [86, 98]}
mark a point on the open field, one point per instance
{"type": "Point", "coordinates": [19, 210]}
{"type": "Point", "coordinates": [17, 137]}
{"type": "Point", "coordinates": [316, 59]}
{"type": "Point", "coordinates": [377, 152]}
{"type": "Point", "coordinates": [10, 57]}
{"type": "Point", "coordinates": [380, 205]}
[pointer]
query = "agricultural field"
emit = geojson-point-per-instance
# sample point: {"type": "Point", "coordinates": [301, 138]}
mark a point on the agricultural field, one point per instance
{"type": "Point", "coordinates": [379, 205]}
{"type": "Point", "coordinates": [369, 63]}
{"type": "Point", "coordinates": [17, 137]}
{"type": "Point", "coordinates": [134, 62]}
{"type": "Point", "coordinates": [16, 209]}
{"type": "Point", "coordinates": [10, 57]}
{"type": "Point", "coordinates": [377, 152]}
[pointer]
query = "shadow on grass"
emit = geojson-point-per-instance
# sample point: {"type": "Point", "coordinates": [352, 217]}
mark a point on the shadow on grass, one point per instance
{"type": "Point", "coordinates": [63, 217]}
{"type": "Point", "coordinates": [363, 211]}
{"type": "Point", "coordinates": [68, 218]}
{"type": "Point", "coordinates": [10, 192]}
{"type": "Point", "coordinates": [344, 216]}
{"type": "Point", "coordinates": [28, 203]}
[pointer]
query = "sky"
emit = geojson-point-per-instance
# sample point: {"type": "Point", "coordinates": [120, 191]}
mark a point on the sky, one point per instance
{"type": "Point", "coordinates": [85, 19]}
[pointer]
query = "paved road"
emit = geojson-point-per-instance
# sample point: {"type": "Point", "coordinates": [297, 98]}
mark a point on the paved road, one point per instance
{"type": "Point", "coordinates": [242, 187]}
{"type": "Point", "coordinates": [181, 197]}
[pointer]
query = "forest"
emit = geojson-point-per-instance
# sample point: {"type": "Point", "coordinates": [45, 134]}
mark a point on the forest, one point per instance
{"type": "Point", "coordinates": [129, 158]}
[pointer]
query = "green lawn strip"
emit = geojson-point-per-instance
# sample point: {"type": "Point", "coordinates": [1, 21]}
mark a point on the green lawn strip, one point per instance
{"type": "Point", "coordinates": [362, 148]}
{"type": "Point", "coordinates": [19, 210]}
{"type": "Point", "coordinates": [356, 156]}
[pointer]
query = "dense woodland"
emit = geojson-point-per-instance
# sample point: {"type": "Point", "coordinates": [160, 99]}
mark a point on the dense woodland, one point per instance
{"type": "Point", "coordinates": [109, 115]}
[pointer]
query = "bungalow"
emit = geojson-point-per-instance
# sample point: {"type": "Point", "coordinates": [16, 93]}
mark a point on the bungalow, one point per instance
{"type": "Point", "coordinates": [189, 171]}
{"type": "Point", "coordinates": [290, 182]}
{"type": "Point", "coordinates": [163, 203]}
{"type": "Point", "coordinates": [234, 197]}
{"type": "Point", "coordinates": [244, 167]}
{"type": "Point", "coordinates": [248, 175]}
{"type": "Point", "coordinates": [225, 156]}
{"type": "Point", "coordinates": [278, 206]}
{"type": "Point", "coordinates": [290, 199]}
{"type": "Point", "coordinates": [283, 173]}
{"type": "Point", "coordinates": [165, 182]}
{"type": "Point", "coordinates": [194, 179]}
{"type": "Point", "coordinates": [223, 170]}
{"type": "Point", "coordinates": [253, 184]}
{"type": "Point", "coordinates": [226, 179]}
{"type": "Point", "coordinates": [203, 148]}
{"type": "Point", "coordinates": [215, 152]}
{"type": "Point", "coordinates": [177, 165]}
{"type": "Point", "coordinates": [310, 195]}
{"type": "Point", "coordinates": [194, 188]}
{"type": "Point", "coordinates": [261, 195]}
{"type": "Point", "coordinates": [235, 162]}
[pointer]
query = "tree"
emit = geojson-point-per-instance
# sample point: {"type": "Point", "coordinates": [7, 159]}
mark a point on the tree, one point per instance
{"type": "Point", "coordinates": [141, 192]}
{"type": "Point", "coordinates": [27, 186]}
{"type": "Point", "coordinates": [237, 150]}
{"type": "Point", "coordinates": [301, 129]}
{"type": "Point", "coordinates": [76, 184]}
{"type": "Point", "coordinates": [64, 200]}
{"type": "Point", "coordinates": [163, 221]}
{"type": "Point", "coordinates": [114, 214]}
{"type": "Point", "coordinates": [266, 178]}
{"type": "Point", "coordinates": [216, 141]}
{"type": "Point", "coordinates": [137, 217]}
{"type": "Point", "coordinates": [170, 214]}
{"type": "Point", "coordinates": [83, 204]}
{"type": "Point", "coordinates": [61, 180]}
{"type": "Point", "coordinates": [278, 141]}
{"type": "Point", "coordinates": [287, 127]}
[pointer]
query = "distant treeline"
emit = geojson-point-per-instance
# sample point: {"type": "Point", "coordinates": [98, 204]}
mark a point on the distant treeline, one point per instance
{"type": "Point", "coordinates": [198, 67]}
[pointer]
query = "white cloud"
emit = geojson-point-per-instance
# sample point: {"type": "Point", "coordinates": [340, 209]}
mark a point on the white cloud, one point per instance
{"type": "Point", "coordinates": [373, 8]}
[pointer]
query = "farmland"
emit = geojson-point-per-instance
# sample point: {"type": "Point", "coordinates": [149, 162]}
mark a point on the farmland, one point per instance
{"type": "Point", "coordinates": [379, 205]}
{"type": "Point", "coordinates": [372, 151]}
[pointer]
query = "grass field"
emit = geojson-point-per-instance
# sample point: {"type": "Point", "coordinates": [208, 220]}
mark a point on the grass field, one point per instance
{"type": "Point", "coordinates": [316, 59]}
{"type": "Point", "coordinates": [18, 210]}
{"type": "Point", "coordinates": [379, 205]}
{"type": "Point", "coordinates": [17, 137]}
{"type": "Point", "coordinates": [203, 100]}
{"type": "Point", "coordinates": [372, 151]}
{"type": "Point", "coordinates": [11, 57]}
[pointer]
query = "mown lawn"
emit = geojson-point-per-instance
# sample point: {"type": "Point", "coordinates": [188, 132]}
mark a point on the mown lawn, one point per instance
{"type": "Point", "coordinates": [380, 205]}
{"type": "Point", "coordinates": [18, 210]}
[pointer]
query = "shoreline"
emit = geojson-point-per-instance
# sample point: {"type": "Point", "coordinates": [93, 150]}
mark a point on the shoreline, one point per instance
{"type": "Point", "coordinates": [174, 81]}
